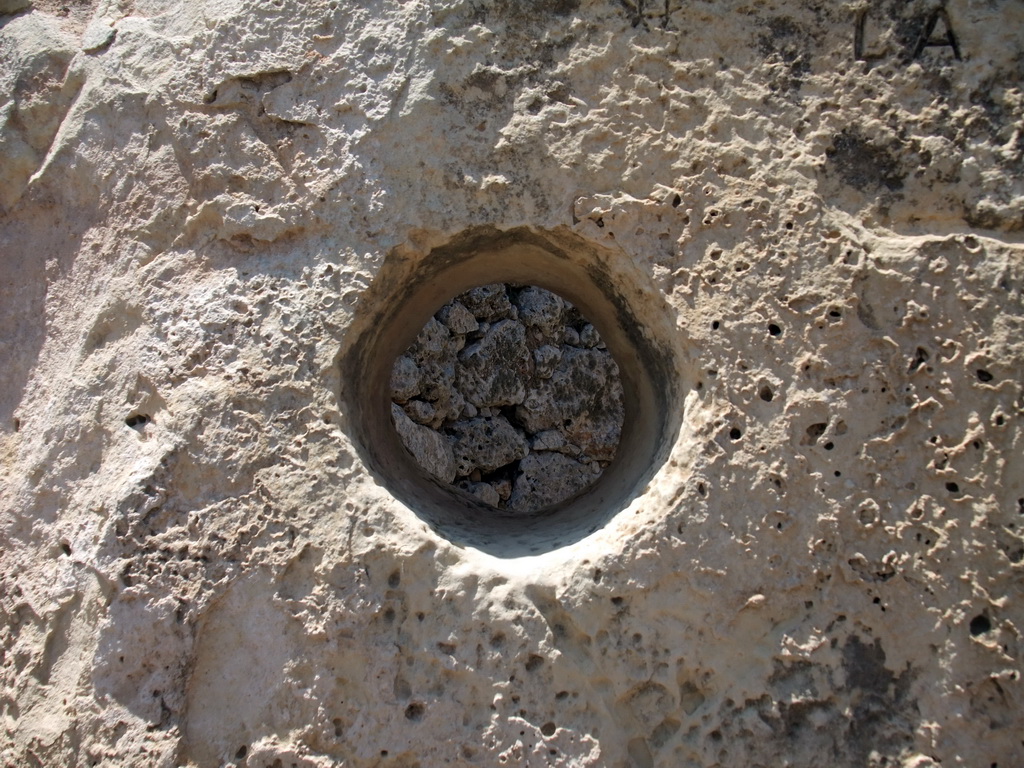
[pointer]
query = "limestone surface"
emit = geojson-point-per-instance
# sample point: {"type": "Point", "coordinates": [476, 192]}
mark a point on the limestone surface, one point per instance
{"type": "Point", "coordinates": [800, 229]}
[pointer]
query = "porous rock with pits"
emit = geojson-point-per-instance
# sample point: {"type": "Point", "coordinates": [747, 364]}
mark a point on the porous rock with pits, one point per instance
{"type": "Point", "coordinates": [580, 399]}
{"type": "Point", "coordinates": [485, 444]}
{"type": "Point", "coordinates": [431, 450]}
{"type": "Point", "coordinates": [813, 213]}
{"type": "Point", "coordinates": [493, 371]}
{"type": "Point", "coordinates": [524, 388]}
{"type": "Point", "coordinates": [544, 475]}
{"type": "Point", "coordinates": [433, 355]}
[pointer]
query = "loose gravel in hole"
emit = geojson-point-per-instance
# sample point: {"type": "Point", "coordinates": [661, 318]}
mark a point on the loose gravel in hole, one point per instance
{"type": "Point", "coordinates": [510, 395]}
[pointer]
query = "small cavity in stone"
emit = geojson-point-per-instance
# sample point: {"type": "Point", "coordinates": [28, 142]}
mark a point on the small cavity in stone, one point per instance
{"type": "Point", "coordinates": [509, 395]}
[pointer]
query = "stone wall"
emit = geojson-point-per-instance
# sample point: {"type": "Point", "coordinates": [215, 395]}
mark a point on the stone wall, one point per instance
{"type": "Point", "coordinates": [798, 227]}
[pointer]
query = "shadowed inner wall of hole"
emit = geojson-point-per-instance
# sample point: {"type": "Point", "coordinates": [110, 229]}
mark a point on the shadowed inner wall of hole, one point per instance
{"type": "Point", "coordinates": [509, 395]}
{"type": "Point", "coordinates": [633, 318]}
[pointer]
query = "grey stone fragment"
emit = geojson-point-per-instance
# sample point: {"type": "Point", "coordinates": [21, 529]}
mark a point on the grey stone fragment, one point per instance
{"type": "Point", "coordinates": [545, 359]}
{"type": "Point", "coordinates": [498, 346]}
{"type": "Point", "coordinates": [448, 408]}
{"type": "Point", "coordinates": [503, 488]}
{"type": "Point", "coordinates": [492, 371]}
{"type": "Point", "coordinates": [429, 448]}
{"type": "Point", "coordinates": [540, 309]}
{"type": "Point", "coordinates": [486, 444]}
{"type": "Point", "coordinates": [405, 379]}
{"type": "Point", "coordinates": [589, 337]}
{"type": "Point", "coordinates": [457, 318]}
{"type": "Point", "coordinates": [582, 398]}
{"type": "Point", "coordinates": [547, 478]}
{"type": "Point", "coordinates": [548, 440]}
{"type": "Point", "coordinates": [488, 302]}
{"type": "Point", "coordinates": [484, 492]}
{"type": "Point", "coordinates": [434, 353]}
{"type": "Point", "coordinates": [433, 342]}
{"type": "Point", "coordinates": [421, 411]}
{"type": "Point", "coordinates": [554, 440]}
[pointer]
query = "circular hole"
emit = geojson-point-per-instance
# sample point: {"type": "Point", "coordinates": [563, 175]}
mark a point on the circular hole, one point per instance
{"type": "Point", "coordinates": [774, 330]}
{"type": "Point", "coordinates": [510, 395]}
{"type": "Point", "coordinates": [627, 312]}
{"type": "Point", "coordinates": [980, 624]}
{"type": "Point", "coordinates": [137, 420]}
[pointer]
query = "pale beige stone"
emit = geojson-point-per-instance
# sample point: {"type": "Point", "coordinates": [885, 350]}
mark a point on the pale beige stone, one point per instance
{"type": "Point", "coordinates": [230, 217]}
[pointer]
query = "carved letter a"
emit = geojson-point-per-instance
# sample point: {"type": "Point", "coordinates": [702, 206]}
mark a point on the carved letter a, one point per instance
{"type": "Point", "coordinates": [926, 40]}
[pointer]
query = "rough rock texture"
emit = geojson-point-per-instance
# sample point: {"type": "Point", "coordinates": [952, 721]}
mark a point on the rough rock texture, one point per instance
{"type": "Point", "coordinates": [526, 389]}
{"type": "Point", "coordinates": [198, 566]}
{"type": "Point", "coordinates": [432, 451]}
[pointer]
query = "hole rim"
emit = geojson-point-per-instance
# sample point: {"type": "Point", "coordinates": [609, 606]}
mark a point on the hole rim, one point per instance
{"type": "Point", "coordinates": [634, 320]}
